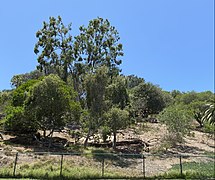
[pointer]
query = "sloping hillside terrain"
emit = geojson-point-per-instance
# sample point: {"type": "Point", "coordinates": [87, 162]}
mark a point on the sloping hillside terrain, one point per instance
{"type": "Point", "coordinates": [147, 139]}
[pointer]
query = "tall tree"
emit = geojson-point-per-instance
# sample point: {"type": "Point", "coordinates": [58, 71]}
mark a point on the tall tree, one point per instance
{"type": "Point", "coordinates": [97, 45]}
{"type": "Point", "coordinates": [55, 45]}
{"type": "Point", "coordinates": [95, 84]}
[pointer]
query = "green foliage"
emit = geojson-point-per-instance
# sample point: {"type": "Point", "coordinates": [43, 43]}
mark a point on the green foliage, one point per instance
{"type": "Point", "coordinates": [175, 93]}
{"type": "Point", "coordinates": [177, 120]}
{"type": "Point", "coordinates": [195, 102]}
{"type": "Point", "coordinates": [20, 94]}
{"type": "Point", "coordinates": [117, 92]}
{"type": "Point", "coordinates": [198, 117]}
{"type": "Point", "coordinates": [55, 44]}
{"type": "Point", "coordinates": [5, 99]}
{"type": "Point", "coordinates": [192, 170]}
{"type": "Point", "coordinates": [209, 128]}
{"type": "Point", "coordinates": [50, 104]}
{"type": "Point", "coordinates": [17, 121]}
{"type": "Point", "coordinates": [209, 114]}
{"type": "Point", "coordinates": [19, 79]}
{"type": "Point", "coordinates": [95, 85]}
{"type": "Point", "coordinates": [133, 81]}
{"type": "Point", "coordinates": [97, 45]}
{"type": "Point", "coordinates": [187, 98]}
{"type": "Point", "coordinates": [147, 98]}
{"type": "Point", "coordinates": [193, 99]}
{"type": "Point", "coordinates": [116, 119]}
{"type": "Point", "coordinates": [105, 133]}
{"type": "Point", "coordinates": [45, 104]}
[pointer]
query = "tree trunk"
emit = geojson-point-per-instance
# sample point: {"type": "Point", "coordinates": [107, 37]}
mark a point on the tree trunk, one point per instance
{"type": "Point", "coordinates": [87, 138]}
{"type": "Point", "coordinates": [114, 140]}
{"type": "Point", "coordinates": [65, 72]}
{"type": "Point", "coordinates": [50, 140]}
{"type": "Point", "coordinates": [51, 133]}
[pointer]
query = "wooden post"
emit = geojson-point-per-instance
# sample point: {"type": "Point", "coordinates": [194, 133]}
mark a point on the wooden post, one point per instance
{"type": "Point", "coordinates": [181, 172]}
{"type": "Point", "coordinates": [144, 167]}
{"type": "Point", "coordinates": [103, 167]}
{"type": "Point", "coordinates": [15, 163]}
{"type": "Point", "coordinates": [61, 165]}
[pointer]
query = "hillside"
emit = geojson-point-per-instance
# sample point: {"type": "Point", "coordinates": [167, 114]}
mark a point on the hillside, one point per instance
{"type": "Point", "coordinates": [152, 134]}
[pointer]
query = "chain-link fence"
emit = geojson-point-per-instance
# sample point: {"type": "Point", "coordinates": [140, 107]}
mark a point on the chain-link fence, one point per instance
{"type": "Point", "coordinates": [83, 165]}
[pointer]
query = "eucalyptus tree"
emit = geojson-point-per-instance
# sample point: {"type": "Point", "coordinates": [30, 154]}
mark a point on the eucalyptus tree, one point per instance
{"type": "Point", "coordinates": [55, 47]}
{"type": "Point", "coordinates": [98, 45]}
{"type": "Point", "coordinates": [95, 85]}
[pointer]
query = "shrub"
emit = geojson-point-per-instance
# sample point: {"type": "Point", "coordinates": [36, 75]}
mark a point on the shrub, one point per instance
{"type": "Point", "coordinates": [178, 123]}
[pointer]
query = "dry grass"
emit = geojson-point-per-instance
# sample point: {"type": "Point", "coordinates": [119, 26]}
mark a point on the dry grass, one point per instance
{"type": "Point", "coordinates": [197, 144]}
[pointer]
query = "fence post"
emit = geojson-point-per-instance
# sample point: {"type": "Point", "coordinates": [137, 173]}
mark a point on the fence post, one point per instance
{"type": "Point", "coordinates": [103, 166]}
{"type": "Point", "coordinates": [181, 172]}
{"type": "Point", "coordinates": [15, 162]}
{"type": "Point", "coordinates": [61, 165]}
{"type": "Point", "coordinates": [144, 167]}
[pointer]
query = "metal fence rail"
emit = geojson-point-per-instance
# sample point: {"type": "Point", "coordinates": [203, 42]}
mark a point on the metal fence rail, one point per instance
{"type": "Point", "coordinates": [101, 164]}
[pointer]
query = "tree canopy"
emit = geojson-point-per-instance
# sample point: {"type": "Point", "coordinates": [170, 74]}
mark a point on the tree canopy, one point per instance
{"type": "Point", "coordinates": [51, 104]}
{"type": "Point", "coordinates": [55, 45]}
{"type": "Point", "coordinates": [98, 45]}
{"type": "Point", "coordinates": [78, 80]}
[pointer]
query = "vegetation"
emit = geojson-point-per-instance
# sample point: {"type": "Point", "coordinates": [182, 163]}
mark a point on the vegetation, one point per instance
{"type": "Point", "coordinates": [114, 167]}
{"type": "Point", "coordinates": [177, 120]}
{"type": "Point", "coordinates": [48, 171]}
{"type": "Point", "coordinates": [55, 44]}
{"type": "Point", "coordinates": [192, 170]}
{"type": "Point", "coordinates": [209, 113]}
{"type": "Point", "coordinates": [93, 87]}
{"type": "Point", "coordinates": [116, 119]}
{"type": "Point", "coordinates": [78, 81]}
{"type": "Point", "coordinates": [50, 104]}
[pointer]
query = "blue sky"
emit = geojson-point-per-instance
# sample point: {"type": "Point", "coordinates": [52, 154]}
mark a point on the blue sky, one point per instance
{"type": "Point", "coordinates": [167, 42]}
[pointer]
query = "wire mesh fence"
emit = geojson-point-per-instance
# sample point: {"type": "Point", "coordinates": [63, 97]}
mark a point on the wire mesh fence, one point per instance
{"type": "Point", "coordinates": [43, 164]}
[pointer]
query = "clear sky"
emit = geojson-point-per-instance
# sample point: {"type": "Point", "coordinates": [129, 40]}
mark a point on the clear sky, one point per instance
{"type": "Point", "coordinates": [167, 42]}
